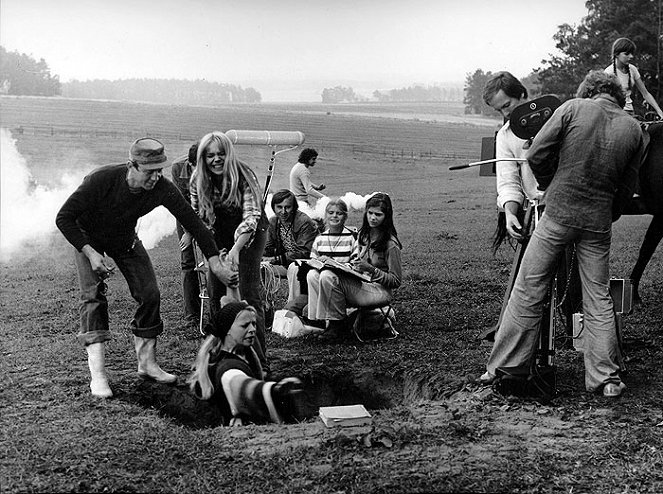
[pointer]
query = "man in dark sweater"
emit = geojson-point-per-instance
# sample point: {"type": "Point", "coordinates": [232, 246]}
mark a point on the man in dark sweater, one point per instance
{"type": "Point", "coordinates": [100, 219]}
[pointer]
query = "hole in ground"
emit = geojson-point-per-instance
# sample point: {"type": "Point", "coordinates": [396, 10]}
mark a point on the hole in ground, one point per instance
{"type": "Point", "coordinates": [323, 386]}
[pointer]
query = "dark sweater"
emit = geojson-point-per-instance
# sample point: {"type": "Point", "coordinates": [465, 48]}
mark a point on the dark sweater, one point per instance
{"type": "Point", "coordinates": [103, 212]}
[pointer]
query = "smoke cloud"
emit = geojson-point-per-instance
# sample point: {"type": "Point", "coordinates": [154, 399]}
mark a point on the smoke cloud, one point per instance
{"type": "Point", "coordinates": [28, 209]}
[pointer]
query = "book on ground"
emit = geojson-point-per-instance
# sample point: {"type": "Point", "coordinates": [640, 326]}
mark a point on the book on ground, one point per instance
{"type": "Point", "coordinates": [334, 265]}
{"type": "Point", "coordinates": [345, 416]}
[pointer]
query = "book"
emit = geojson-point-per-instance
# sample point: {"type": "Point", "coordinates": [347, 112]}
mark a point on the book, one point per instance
{"type": "Point", "coordinates": [345, 416]}
{"type": "Point", "coordinates": [334, 265]}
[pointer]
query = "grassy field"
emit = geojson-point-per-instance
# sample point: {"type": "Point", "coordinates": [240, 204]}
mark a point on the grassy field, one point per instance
{"type": "Point", "coordinates": [433, 430]}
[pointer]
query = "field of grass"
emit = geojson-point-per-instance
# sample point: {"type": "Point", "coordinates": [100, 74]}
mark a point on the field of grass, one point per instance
{"type": "Point", "coordinates": [433, 429]}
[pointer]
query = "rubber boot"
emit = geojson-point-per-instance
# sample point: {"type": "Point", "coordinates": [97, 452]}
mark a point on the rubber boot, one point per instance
{"type": "Point", "coordinates": [147, 364]}
{"type": "Point", "coordinates": [96, 361]}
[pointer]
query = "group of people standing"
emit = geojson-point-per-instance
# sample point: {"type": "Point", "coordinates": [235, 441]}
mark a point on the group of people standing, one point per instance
{"type": "Point", "coordinates": [582, 167]}
{"type": "Point", "coordinates": [218, 203]}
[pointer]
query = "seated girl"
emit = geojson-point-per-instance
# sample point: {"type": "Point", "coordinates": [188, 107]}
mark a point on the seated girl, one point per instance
{"type": "Point", "coordinates": [378, 253]}
{"type": "Point", "coordinates": [336, 242]}
{"type": "Point", "coordinates": [227, 371]}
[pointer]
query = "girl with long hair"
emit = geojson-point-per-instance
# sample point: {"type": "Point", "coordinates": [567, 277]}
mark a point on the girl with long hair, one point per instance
{"type": "Point", "coordinates": [226, 194]}
{"type": "Point", "coordinates": [623, 51]}
{"type": "Point", "coordinates": [377, 253]}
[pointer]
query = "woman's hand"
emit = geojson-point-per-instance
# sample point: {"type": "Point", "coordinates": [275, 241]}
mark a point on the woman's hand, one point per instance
{"type": "Point", "coordinates": [233, 257]}
{"type": "Point", "coordinates": [362, 266]}
{"type": "Point", "coordinates": [224, 272]}
{"type": "Point", "coordinates": [185, 241]}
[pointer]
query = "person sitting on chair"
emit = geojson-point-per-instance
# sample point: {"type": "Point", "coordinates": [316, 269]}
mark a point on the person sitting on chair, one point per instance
{"type": "Point", "coordinates": [227, 372]}
{"type": "Point", "coordinates": [290, 235]}
{"type": "Point", "coordinates": [336, 242]}
{"type": "Point", "coordinates": [378, 253]}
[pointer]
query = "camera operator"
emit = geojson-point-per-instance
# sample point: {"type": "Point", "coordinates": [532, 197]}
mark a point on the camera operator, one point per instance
{"type": "Point", "coordinates": [600, 149]}
{"type": "Point", "coordinates": [515, 180]}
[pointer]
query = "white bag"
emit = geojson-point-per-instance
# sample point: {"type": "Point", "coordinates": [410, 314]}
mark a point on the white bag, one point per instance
{"type": "Point", "coordinates": [287, 324]}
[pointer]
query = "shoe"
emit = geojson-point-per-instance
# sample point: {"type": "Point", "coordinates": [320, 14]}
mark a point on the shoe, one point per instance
{"type": "Point", "coordinates": [486, 378]}
{"type": "Point", "coordinates": [613, 390]}
{"type": "Point", "coordinates": [96, 356]}
{"type": "Point", "coordinates": [336, 329]}
{"type": "Point", "coordinates": [329, 334]}
{"type": "Point", "coordinates": [288, 398]}
{"type": "Point", "coordinates": [147, 366]}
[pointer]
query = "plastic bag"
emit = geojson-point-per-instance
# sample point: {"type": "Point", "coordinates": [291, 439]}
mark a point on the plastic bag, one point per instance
{"type": "Point", "coordinates": [287, 324]}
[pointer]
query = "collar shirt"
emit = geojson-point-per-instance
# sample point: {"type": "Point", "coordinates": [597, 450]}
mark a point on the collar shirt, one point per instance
{"type": "Point", "coordinates": [600, 149]}
{"type": "Point", "coordinates": [515, 180]}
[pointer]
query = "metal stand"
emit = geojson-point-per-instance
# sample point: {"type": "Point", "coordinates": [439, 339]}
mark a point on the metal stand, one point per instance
{"type": "Point", "coordinates": [201, 270]}
{"type": "Point", "coordinates": [270, 170]}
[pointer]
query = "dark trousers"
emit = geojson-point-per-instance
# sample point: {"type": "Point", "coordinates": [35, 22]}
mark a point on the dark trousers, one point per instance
{"type": "Point", "coordinates": [190, 288]}
{"type": "Point", "coordinates": [136, 267]}
{"type": "Point", "coordinates": [249, 287]}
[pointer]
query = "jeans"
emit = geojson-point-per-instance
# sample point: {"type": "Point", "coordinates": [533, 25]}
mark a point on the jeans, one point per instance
{"type": "Point", "coordinates": [329, 294]}
{"type": "Point", "coordinates": [517, 337]}
{"type": "Point", "coordinates": [249, 287]}
{"type": "Point", "coordinates": [136, 267]}
{"type": "Point", "coordinates": [190, 287]}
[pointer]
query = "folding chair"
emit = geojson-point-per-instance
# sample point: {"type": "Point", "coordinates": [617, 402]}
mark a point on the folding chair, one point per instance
{"type": "Point", "coordinates": [201, 270]}
{"type": "Point", "coordinates": [383, 320]}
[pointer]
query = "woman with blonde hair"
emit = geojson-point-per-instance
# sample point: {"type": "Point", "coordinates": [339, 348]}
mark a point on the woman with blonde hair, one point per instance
{"type": "Point", "coordinates": [227, 372]}
{"type": "Point", "coordinates": [377, 254]}
{"type": "Point", "coordinates": [226, 195]}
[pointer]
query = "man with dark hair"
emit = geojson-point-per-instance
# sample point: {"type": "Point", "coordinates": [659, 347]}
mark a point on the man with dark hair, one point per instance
{"type": "Point", "coordinates": [100, 219]}
{"type": "Point", "coordinates": [600, 149]}
{"type": "Point", "coordinates": [181, 174]}
{"type": "Point", "coordinates": [290, 233]}
{"type": "Point", "coordinates": [515, 180]}
{"type": "Point", "coordinates": [300, 178]}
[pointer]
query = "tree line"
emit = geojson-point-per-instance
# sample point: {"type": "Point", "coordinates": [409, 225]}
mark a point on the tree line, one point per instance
{"type": "Point", "coordinates": [416, 93]}
{"type": "Point", "coordinates": [588, 47]}
{"type": "Point", "coordinates": [177, 91]}
{"type": "Point", "coordinates": [20, 74]}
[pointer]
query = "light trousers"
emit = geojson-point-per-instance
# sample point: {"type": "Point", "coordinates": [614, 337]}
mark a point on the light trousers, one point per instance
{"type": "Point", "coordinates": [330, 294]}
{"type": "Point", "coordinates": [517, 337]}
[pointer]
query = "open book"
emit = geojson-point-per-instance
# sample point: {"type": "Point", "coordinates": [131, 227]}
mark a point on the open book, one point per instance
{"type": "Point", "coordinates": [345, 416]}
{"type": "Point", "coordinates": [334, 265]}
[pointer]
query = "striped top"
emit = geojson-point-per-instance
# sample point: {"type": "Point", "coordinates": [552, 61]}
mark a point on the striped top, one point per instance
{"type": "Point", "coordinates": [336, 246]}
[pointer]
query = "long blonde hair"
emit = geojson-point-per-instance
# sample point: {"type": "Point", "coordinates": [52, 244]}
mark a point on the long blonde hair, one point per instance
{"type": "Point", "coordinates": [234, 170]}
{"type": "Point", "coordinates": [199, 382]}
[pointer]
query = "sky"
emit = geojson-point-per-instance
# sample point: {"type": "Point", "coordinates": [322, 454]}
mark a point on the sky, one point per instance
{"type": "Point", "coordinates": [280, 46]}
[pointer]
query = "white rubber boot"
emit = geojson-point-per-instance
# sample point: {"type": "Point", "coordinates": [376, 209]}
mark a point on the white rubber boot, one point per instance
{"type": "Point", "coordinates": [147, 364]}
{"type": "Point", "coordinates": [96, 361]}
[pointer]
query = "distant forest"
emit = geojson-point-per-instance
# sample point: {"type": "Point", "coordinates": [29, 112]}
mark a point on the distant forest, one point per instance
{"type": "Point", "coordinates": [173, 91]}
{"type": "Point", "coordinates": [20, 74]}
